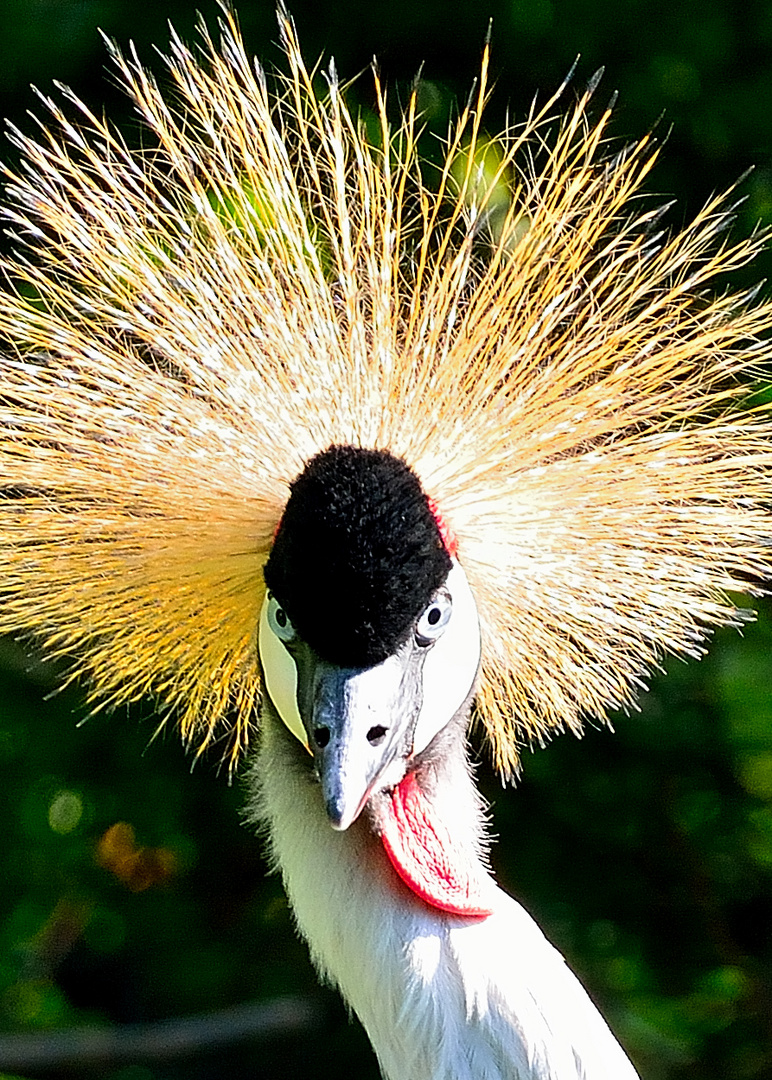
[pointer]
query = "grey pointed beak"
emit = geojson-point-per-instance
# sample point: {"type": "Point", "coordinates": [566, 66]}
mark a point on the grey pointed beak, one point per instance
{"type": "Point", "coordinates": [360, 724]}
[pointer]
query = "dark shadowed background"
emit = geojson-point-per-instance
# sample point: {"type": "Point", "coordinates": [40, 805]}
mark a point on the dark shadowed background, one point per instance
{"type": "Point", "coordinates": [131, 895]}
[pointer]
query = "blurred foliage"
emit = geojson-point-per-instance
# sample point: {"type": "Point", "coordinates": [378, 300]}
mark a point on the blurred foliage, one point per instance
{"type": "Point", "coordinates": [131, 892]}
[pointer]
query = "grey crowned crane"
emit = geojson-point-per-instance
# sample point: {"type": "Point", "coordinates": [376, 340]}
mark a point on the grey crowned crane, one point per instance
{"type": "Point", "coordinates": [295, 427]}
{"type": "Point", "coordinates": [370, 644]}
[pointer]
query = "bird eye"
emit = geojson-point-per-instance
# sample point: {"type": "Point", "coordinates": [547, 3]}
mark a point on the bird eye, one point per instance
{"type": "Point", "coordinates": [434, 619]}
{"type": "Point", "coordinates": [279, 621]}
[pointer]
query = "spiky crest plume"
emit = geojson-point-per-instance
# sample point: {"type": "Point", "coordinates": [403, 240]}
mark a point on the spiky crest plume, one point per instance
{"type": "Point", "coordinates": [186, 324]}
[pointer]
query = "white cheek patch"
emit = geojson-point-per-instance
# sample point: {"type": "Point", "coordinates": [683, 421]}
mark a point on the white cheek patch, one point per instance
{"type": "Point", "coordinates": [451, 664]}
{"type": "Point", "coordinates": [281, 676]}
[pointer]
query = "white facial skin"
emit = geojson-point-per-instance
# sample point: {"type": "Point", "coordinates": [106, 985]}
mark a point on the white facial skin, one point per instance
{"type": "Point", "coordinates": [451, 663]}
{"type": "Point", "coordinates": [279, 670]}
{"type": "Point", "coordinates": [363, 725]}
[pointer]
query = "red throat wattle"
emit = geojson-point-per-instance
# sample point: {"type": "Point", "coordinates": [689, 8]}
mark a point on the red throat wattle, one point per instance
{"type": "Point", "coordinates": [421, 850]}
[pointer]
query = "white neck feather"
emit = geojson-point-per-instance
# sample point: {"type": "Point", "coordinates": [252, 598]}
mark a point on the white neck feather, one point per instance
{"type": "Point", "coordinates": [441, 997]}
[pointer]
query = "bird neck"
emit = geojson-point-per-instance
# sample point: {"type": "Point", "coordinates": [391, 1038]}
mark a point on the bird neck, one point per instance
{"type": "Point", "coordinates": [441, 997]}
{"type": "Point", "coordinates": [356, 913]}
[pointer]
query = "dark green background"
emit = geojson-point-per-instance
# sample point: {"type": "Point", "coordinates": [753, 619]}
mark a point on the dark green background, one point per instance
{"type": "Point", "coordinates": [646, 855]}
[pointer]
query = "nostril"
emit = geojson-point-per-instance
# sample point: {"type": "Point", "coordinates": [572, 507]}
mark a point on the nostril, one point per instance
{"type": "Point", "coordinates": [376, 735]}
{"type": "Point", "coordinates": [321, 736]}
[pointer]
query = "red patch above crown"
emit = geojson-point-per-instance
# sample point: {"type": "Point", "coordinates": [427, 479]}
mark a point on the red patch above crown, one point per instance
{"type": "Point", "coordinates": [448, 538]}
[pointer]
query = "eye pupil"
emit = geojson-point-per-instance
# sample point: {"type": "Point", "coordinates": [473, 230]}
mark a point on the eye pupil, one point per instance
{"type": "Point", "coordinates": [281, 617]}
{"type": "Point", "coordinates": [434, 616]}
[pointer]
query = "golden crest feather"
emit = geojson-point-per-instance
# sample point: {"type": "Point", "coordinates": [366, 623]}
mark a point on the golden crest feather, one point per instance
{"type": "Point", "coordinates": [185, 324]}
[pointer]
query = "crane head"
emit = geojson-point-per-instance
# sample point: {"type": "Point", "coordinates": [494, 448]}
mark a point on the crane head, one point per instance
{"type": "Point", "coordinates": [369, 639]}
{"type": "Point", "coordinates": [369, 636]}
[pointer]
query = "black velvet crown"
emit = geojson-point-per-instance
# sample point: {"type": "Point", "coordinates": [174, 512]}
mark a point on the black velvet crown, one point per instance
{"type": "Point", "coordinates": [357, 556]}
